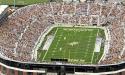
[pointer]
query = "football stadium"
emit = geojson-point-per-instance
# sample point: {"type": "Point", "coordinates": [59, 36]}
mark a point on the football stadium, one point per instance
{"type": "Point", "coordinates": [62, 38]}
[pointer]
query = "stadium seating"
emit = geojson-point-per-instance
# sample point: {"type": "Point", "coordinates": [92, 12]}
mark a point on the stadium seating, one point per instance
{"type": "Point", "coordinates": [22, 29]}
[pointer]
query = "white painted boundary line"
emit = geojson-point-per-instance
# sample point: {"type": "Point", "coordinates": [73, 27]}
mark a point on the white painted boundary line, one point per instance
{"type": "Point", "coordinates": [48, 42]}
{"type": "Point", "coordinates": [93, 54]}
{"type": "Point", "coordinates": [40, 40]}
{"type": "Point", "coordinates": [94, 47]}
{"type": "Point", "coordinates": [48, 50]}
{"type": "Point", "coordinates": [107, 43]}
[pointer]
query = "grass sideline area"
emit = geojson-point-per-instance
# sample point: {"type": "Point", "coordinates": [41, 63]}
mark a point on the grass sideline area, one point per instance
{"type": "Point", "coordinates": [22, 2]}
{"type": "Point", "coordinates": [73, 43]}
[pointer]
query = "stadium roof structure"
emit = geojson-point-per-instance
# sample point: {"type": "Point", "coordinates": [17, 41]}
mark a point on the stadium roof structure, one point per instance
{"type": "Point", "coordinates": [2, 8]}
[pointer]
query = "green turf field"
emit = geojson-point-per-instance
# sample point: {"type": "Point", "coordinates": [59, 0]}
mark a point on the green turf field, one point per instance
{"type": "Point", "coordinates": [75, 44]}
{"type": "Point", "coordinates": [22, 2]}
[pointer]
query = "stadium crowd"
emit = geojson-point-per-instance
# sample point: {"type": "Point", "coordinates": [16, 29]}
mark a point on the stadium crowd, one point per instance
{"type": "Point", "coordinates": [23, 28]}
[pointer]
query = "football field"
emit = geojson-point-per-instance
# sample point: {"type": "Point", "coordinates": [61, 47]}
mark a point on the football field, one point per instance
{"type": "Point", "coordinates": [75, 44]}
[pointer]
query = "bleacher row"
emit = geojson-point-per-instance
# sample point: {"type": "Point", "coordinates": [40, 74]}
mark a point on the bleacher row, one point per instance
{"type": "Point", "coordinates": [23, 28]}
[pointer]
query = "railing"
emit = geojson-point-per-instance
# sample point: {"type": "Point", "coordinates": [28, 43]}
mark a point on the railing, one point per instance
{"type": "Point", "coordinates": [53, 66]}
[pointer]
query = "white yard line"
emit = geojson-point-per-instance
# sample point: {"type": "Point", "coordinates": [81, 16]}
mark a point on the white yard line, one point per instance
{"type": "Point", "coordinates": [69, 54]}
{"type": "Point", "coordinates": [92, 57]}
{"type": "Point", "coordinates": [107, 44]}
{"type": "Point", "coordinates": [48, 50]}
{"type": "Point", "coordinates": [39, 42]}
{"type": "Point", "coordinates": [45, 55]}
{"type": "Point", "coordinates": [88, 44]}
{"type": "Point", "coordinates": [93, 50]}
{"type": "Point", "coordinates": [58, 41]}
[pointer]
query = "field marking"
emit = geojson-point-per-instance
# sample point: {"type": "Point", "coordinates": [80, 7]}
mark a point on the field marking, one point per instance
{"type": "Point", "coordinates": [67, 36]}
{"type": "Point", "coordinates": [57, 42]}
{"type": "Point", "coordinates": [98, 56]}
{"type": "Point", "coordinates": [92, 56]}
{"type": "Point", "coordinates": [61, 34]}
{"type": "Point", "coordinates": [94, 48]}
{"type": "Point", "coordinates": [40, 55]}
{"type": "Point", "coordinates": [45, 55]}
{"type": "Point", "coordinates": [87, 48]}
{"type": "Point", "coordinates": [69, 56]}
{"type": "Point", "coordinates": [88, 45]}
{"type": "Point", "coordinates": [74, 33]}
{"type": "Point", "coordinates": [48, 49]}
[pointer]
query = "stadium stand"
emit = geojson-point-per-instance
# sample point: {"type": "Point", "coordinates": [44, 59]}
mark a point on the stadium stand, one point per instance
{"type": "Point", "coordinates": [22, 29]}
{"type": "Point", "coordinates": [22, 32]}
